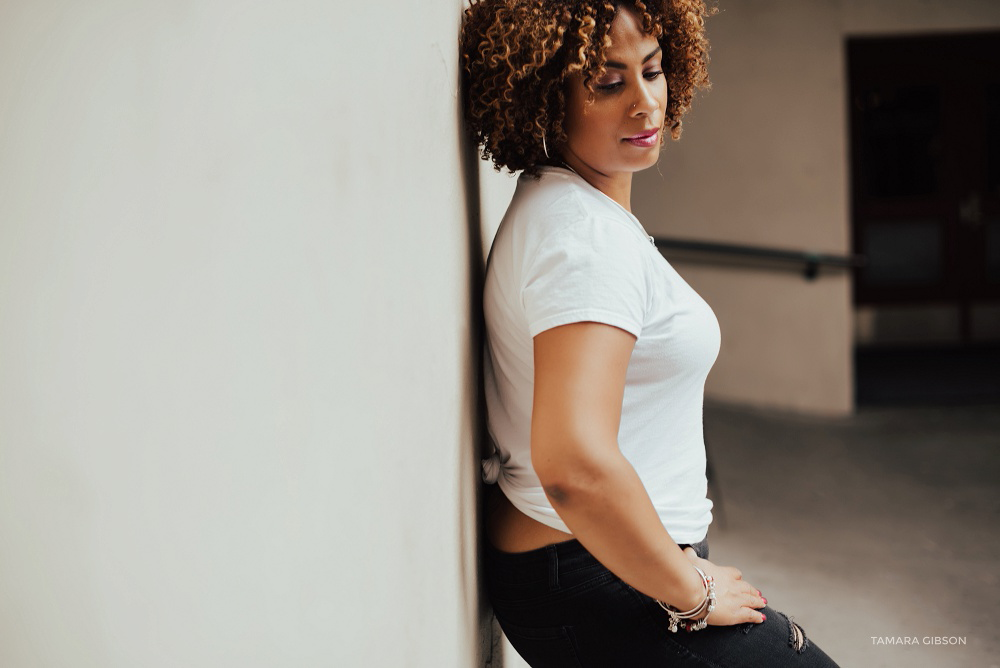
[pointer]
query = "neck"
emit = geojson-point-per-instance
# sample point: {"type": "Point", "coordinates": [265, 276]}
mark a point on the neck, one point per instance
{"type": "Point", "coordinates": [617, 186]}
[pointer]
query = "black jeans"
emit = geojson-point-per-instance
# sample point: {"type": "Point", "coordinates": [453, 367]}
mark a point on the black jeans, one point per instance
{"type": "Point", "coordinates": [560, 607]}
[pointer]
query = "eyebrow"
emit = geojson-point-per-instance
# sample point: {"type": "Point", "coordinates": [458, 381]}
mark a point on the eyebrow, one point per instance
{"type": "Point", "coordinates": [621, 66]}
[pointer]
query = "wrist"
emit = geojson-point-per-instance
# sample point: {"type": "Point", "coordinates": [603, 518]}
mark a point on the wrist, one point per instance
{"type": "Point", "coordinates": [696, 618]}
{"type": "Point", "coordinates": [693, 591]}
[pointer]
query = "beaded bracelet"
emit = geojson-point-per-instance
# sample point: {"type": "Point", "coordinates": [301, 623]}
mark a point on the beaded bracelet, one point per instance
{"type": "Point", "coordinates": [678, 618]}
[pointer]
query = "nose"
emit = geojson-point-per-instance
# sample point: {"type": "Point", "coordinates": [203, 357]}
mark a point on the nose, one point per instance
{"type": "Point", "coordinates": [645, 102]}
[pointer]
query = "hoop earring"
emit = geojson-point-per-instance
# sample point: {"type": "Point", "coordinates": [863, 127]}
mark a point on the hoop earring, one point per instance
{"type": "Point", "coordinates": [545, 148]}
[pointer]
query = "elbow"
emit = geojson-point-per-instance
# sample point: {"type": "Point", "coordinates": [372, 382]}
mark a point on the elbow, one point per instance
{"type": "Point", "coordinates": [566, 479]}
{"type": "Point", "coordinates": [556, 493]}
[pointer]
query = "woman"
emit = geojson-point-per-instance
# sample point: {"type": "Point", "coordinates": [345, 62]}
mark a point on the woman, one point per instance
{"type": "Point", "coordinates": [598, 350]}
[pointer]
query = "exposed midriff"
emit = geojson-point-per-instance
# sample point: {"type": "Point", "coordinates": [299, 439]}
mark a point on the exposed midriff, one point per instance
{"type": "Point", "coordinates": [510, 530]}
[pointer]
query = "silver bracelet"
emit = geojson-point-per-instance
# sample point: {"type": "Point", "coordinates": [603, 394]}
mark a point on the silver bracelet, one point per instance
{"type": "Point", "coordinates": [678, 618]}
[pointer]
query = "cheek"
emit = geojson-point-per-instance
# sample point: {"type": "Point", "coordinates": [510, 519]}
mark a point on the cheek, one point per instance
{"type": "Point", "coordinates": [590, 127]}
{"type": "Point", "coordinates": [602, 121]}
{"type": "Point", "coordinates": [584, 129]}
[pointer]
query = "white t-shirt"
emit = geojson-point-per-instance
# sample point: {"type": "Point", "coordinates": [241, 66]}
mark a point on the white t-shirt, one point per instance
{"type": "Point", "coordinates": [565, 252]}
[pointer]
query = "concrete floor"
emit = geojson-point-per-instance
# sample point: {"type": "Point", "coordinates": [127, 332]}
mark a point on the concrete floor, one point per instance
{"type": "Point", "coordinates": [883, 524]}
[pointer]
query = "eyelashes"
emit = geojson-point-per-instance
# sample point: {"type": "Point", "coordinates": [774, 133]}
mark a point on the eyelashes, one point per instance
{"type": "Point", "coordinates": [610, 87]}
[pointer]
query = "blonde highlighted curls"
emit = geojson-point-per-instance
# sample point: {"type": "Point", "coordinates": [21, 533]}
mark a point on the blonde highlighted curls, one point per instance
{"type": "Point", "coordinates": [518, 54]}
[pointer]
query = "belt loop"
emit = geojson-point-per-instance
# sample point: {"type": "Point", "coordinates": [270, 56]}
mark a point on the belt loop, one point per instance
{"type": "Point", "coordinates": [553, 558]}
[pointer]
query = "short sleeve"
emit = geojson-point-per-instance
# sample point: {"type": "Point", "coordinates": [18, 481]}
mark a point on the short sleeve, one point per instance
{"type": "Point", "coordinates": [593, 269]}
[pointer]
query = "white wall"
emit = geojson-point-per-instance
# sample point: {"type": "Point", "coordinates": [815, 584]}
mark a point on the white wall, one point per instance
{"type": "Point", "coordinates": [495, 191]}
{"type": "Point", "coordinates": [236, 373]}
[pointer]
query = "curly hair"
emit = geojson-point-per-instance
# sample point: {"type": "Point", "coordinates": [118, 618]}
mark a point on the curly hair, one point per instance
{"type": "Point", "coordinates": [518, 55]}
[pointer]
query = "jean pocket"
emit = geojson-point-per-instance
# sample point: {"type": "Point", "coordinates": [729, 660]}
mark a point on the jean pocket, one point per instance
{"type": "Point", "coordinates": [547, 647]}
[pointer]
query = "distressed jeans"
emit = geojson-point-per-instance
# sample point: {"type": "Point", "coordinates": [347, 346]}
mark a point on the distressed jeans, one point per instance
{"type": "Point", "coordinates": [560, 608]}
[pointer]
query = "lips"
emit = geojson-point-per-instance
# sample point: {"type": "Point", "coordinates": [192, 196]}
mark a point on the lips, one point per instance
{"type": "Point", "coordinates": [643, 135]}
{"type": "Point", "coordinates": [645, 139]}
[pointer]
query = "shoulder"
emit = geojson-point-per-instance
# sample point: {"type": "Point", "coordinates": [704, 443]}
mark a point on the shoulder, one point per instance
{"type": "Point", "coordinates": [560, 205]}
{"type": "Point", "coordinates": [548, 202]}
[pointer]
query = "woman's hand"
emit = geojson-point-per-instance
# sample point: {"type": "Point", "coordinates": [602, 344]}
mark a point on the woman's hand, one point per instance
{"type": "Point", "coordinates": [736, 600]}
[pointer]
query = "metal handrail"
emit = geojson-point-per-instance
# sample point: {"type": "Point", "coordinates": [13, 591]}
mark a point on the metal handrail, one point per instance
{"type": "Point", "coordinates": [810, 261]}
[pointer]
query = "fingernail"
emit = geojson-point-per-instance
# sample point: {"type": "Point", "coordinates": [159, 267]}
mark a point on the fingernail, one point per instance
{"type": "Point", "coordinates": [765, 600]}
{"type": "Point", "coordinates": [764, 616]}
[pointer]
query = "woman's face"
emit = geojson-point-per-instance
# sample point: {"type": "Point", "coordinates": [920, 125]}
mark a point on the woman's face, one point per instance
{"type": "Point", "coordinates": [621, 130]}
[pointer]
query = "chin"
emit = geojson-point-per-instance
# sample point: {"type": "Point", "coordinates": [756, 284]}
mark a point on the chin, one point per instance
{"type": "Point", "coordinates": [645, 162]}
{"type": "Point", "coordinates": [652, 160]}
{"type": "Point", "coordinates": [636, 162]}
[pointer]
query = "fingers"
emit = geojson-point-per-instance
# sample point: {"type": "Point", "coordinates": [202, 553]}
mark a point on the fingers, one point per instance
{"type": "Point", "coordinates": [754, 600]}
{"type": "Point", "coordinates": [745, 603]}
{"type": "Point", "coordinates": [753, 596]}
{"type": "Point", "coordinates": [737, 612]}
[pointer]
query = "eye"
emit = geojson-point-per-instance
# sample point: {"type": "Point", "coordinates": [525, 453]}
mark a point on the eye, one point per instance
{"type": "Point", "coordinates": [652, 74]}
{"type": "Point", "coordinates": [609, 86]}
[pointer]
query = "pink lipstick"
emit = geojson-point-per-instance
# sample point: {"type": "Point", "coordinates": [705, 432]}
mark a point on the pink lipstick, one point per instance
{"type": "Point", "coordinates": [645, 139]}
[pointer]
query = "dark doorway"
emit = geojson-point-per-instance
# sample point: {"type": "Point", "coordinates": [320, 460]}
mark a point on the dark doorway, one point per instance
{"type": "Point", "coordinates": [925, 195]}
{"type": "Point", "coordinates": [925, 186]}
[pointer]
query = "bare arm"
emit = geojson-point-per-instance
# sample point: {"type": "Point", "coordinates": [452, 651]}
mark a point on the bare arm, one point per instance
{"type": "Point", "coordinates": [579, 386]}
